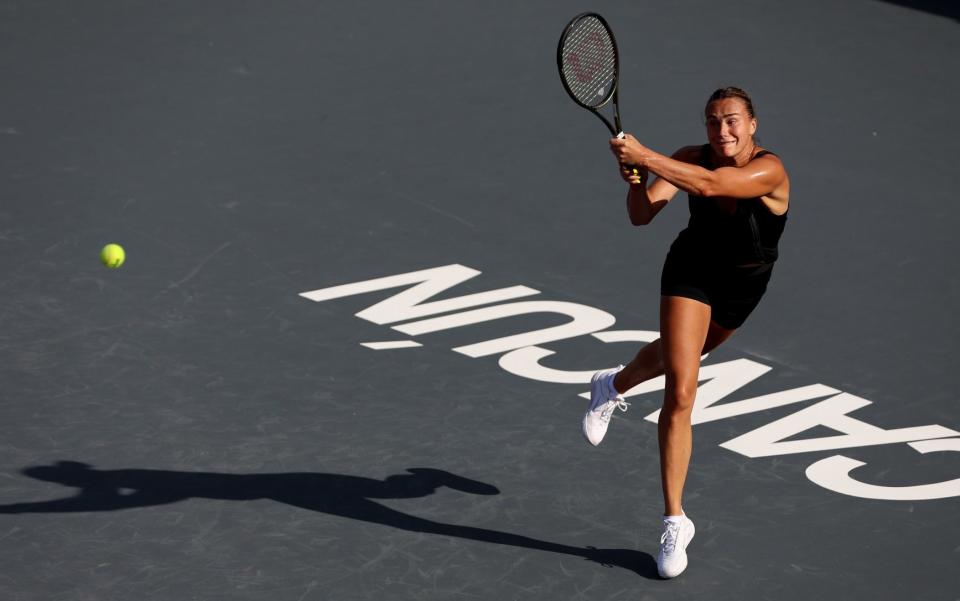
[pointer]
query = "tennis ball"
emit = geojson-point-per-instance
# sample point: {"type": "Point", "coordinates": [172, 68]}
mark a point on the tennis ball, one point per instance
{"type": "Point", "coordinates": [112, 255]}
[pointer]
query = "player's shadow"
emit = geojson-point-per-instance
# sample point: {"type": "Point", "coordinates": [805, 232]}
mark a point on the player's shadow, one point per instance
{"type": "Point", "coordinates": [335, 494]}
{"type": "Point", "coordinates": [944, 8]}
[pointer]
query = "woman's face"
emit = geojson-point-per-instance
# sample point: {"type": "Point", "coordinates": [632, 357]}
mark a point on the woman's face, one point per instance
{"type": "Point", "coordinates": [730, 127]}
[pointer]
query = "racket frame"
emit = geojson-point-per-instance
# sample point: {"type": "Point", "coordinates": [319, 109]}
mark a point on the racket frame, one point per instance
{"type": "Point", "coordinates": [615, 128]}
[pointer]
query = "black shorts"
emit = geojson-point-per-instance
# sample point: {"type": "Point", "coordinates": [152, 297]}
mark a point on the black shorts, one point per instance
{"type": "Point", "coordinates": [732, 292]}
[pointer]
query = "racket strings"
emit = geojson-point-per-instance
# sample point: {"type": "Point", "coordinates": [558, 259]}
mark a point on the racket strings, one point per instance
{"type": "Point", "coordinates": [589, 62]}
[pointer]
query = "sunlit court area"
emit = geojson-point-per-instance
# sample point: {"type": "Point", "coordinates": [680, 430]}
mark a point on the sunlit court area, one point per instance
{"type": "Point", "coordinates": [369, 257]}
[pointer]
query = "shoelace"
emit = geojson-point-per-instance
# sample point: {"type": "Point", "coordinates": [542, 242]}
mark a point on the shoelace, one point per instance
{"type": "Point", "coordinates": [669, 539]}
{"type": "Point", "coordinates": [611, 405]}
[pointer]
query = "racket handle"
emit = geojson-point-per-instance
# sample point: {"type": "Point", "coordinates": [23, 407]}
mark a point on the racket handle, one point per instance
{"type": "Point", "coordinates": [621, 136]}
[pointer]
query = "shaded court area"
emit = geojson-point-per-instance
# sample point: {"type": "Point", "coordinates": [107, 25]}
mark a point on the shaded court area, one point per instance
{"type": "Point", "coordinates": [373, 255]}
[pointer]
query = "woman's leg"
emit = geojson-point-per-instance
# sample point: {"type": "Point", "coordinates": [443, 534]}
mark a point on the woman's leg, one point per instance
{"type": "Point", "coordinates": [684, 325]}
{"type": "Point", "coordinates": [648, 363]}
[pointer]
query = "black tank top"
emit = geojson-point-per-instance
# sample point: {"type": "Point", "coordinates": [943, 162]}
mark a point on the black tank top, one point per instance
{"type": "Point", "coordinates": [747, 236]}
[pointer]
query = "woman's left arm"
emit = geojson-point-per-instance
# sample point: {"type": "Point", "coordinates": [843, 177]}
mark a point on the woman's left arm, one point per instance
{"type": "Point", "coordinates": [759, 177]}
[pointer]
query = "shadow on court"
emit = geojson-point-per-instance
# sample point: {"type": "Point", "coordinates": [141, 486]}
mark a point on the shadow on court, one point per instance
{"type": "Point", "coordinates": [944, 8]}
{"type": "Point", "coordinates": [335, 494]}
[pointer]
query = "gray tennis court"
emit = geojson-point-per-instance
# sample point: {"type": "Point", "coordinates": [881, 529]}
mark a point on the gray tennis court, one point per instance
{"type": "Point", "coordinates": [372, 250]}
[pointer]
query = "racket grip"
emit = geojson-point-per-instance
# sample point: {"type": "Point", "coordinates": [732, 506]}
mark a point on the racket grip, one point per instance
{"type": "Point", "coordinates": [633, 168]}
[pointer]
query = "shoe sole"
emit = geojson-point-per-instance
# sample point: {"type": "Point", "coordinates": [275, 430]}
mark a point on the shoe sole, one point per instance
{"type": "Point", "coordinates": [583, 430]}
{"type": "Point", "coordinates": [583, 424]}
{"type": "Point", "coordinates": [680, 571]}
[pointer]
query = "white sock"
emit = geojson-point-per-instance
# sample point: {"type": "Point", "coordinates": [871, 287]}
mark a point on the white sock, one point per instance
{"type": "Point", "coordinates": [611, 391]}
{"type": "Point", "coordinates": [674, 518]}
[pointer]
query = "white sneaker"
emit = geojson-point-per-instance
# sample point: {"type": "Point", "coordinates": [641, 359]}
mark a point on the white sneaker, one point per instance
{"type": "Point", "coordinates": [672, 560]}
{"type": "Point", "coordinates": [602, 405]}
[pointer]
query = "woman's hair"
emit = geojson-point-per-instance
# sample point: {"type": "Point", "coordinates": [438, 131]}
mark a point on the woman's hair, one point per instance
{"type": "Point", "coordinates": [732, 92]}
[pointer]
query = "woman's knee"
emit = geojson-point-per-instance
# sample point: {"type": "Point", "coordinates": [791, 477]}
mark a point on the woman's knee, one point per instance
{"type": "Point", "coordinates": [680, 396]}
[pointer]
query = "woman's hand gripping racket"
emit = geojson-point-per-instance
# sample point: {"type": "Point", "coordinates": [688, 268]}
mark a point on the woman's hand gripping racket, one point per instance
{"type": "Point", "coordinates": [589, 66]}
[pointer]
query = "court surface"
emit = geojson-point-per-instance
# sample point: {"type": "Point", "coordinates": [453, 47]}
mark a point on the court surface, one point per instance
{"type": "Point", "coordinates": [198, 425]}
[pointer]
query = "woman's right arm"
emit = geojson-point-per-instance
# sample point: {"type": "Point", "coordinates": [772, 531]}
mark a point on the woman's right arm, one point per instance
{"type": "Point", "coordinates": [644, 203]}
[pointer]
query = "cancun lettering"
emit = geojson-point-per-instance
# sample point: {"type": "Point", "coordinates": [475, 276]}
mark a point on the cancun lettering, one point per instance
{"type": "Point", "coordinates": [520, 355]}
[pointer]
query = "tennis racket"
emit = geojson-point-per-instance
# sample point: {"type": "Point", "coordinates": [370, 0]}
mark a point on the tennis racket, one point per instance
{"type": "Point", "coordinates": [589, 65]}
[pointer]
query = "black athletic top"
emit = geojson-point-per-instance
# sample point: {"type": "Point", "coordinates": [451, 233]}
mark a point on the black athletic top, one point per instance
{"type": "Point", "coordinates": [747, 236]}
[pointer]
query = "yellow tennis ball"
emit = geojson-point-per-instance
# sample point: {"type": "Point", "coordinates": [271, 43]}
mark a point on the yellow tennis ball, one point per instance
{"type": "Point", "coordinates": [112, 255]}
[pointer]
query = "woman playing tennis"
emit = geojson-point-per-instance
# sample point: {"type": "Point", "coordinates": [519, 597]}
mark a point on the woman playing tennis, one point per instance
{"type": "Point", "coordinates": [714, 275]}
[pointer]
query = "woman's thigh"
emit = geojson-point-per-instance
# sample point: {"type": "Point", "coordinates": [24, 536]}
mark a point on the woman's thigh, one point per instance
{"type": "Point", "coordinates": [684, 325]}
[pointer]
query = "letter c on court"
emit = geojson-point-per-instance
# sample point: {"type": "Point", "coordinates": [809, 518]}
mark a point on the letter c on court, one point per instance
{"type": "Point", "coordinates": [833, 473]}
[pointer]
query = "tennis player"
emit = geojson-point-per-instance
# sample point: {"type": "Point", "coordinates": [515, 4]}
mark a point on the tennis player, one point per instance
{"type": "Point", "coordinates": [714, 275]}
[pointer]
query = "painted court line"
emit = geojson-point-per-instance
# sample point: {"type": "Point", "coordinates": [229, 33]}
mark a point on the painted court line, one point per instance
{"type": "Point", "coordinates": [390, 344]}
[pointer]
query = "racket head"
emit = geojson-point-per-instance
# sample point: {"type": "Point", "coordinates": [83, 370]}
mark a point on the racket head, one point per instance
{"type": "Point", "coordinates": [589, 61]}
